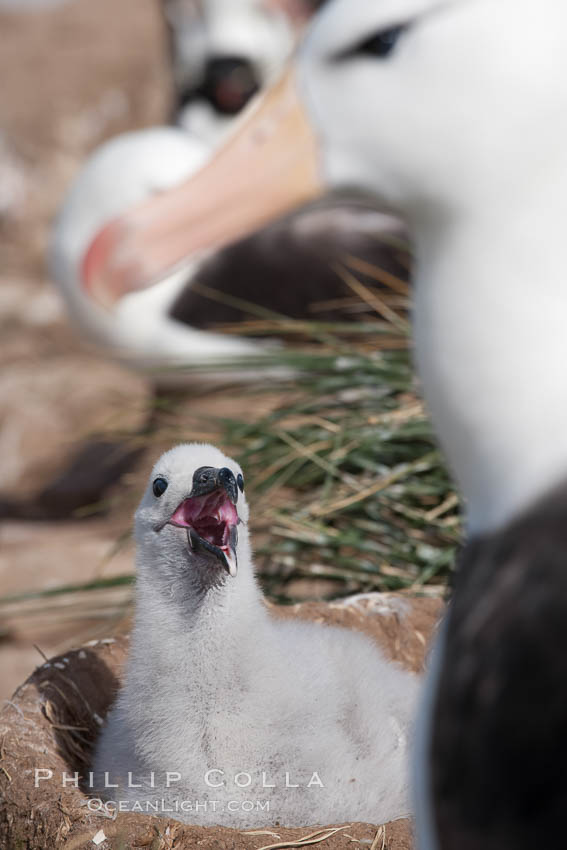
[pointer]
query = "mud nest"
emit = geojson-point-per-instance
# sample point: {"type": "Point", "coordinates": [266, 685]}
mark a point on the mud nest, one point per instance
{"type": "Point", "coordinates": [53, 719]}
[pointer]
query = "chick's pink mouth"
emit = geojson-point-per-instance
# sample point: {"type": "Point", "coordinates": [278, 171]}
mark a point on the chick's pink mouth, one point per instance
{"type": "Point", "coordinates": [211, 517]}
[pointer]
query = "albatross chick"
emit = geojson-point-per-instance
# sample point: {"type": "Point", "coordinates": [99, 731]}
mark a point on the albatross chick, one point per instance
{"type": "Point", "coordinates": [231, 716]}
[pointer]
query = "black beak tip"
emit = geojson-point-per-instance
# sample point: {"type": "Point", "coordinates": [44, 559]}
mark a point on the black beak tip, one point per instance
{"type": "Point", "coordinates": [228, 481]}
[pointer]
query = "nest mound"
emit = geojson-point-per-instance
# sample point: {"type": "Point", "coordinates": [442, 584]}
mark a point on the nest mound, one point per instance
{"type": "Point", "coordinates": [53, 719]}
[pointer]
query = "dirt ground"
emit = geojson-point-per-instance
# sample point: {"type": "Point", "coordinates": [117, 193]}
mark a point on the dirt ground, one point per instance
{"type": "Point", "coordinates": [72, 75]}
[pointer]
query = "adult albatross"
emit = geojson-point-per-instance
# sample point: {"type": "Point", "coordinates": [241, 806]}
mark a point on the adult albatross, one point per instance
{"type": "Point", "coordinates": [286, 270]}
{"type": "Point", "coordinates": [221, 53]}
{"type": "Point", "coordinates": [455, 114]}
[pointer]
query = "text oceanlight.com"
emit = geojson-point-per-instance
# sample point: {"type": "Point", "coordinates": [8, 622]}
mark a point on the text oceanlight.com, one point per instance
{"type": "Point", "coordinates": [175, 806]}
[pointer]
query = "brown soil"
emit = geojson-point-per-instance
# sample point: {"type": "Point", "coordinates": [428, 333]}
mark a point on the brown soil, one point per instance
{"type": "Point", "coordinates": [72, 76]}
{"type": "Point", "coordinates": [54, 717]}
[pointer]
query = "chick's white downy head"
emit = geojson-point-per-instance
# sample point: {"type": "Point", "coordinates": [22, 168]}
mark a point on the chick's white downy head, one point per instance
{"type": "Point", "coordinates": [191, 522]}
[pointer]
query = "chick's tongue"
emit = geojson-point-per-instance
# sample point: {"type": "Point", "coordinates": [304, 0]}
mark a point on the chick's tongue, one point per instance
{"type": "Point", "coordinates": [210, 529]}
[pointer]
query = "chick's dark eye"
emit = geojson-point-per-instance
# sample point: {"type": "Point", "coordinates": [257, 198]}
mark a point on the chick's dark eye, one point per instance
{"type": "Point", "coordinates": [240, 482]}
{"type": "Point", "coordinates": [382, 43]}
{"type": "Point", "coordinates": [159, 487]}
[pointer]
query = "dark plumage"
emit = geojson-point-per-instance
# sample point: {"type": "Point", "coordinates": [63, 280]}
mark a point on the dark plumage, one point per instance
{"type": "Point", "coordinates": [500, 719]}
{"type": "Point", "coordinates": [289, 267]}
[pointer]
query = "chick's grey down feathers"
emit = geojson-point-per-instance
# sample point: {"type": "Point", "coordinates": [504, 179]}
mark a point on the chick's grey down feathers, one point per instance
{"type": "Point", "coordinates": [214, 683]}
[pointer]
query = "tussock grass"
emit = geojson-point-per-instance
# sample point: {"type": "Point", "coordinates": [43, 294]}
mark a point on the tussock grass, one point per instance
{"type": "Point", "coordinates": [345, 476]}
{"type": "Point", "coordinates": [348, 489]}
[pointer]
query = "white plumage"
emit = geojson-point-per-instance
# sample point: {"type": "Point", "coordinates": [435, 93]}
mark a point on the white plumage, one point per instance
{"type": "Point", "coordinates": [126, 170]}
{"type": "Point", "coordinates": [250, 30]}
{"type": "Point", "coordinates": [215, 683]}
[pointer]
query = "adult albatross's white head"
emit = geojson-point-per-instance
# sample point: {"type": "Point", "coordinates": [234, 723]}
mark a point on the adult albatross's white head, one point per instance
{"type": "Point", "coordinates": [455, 113]}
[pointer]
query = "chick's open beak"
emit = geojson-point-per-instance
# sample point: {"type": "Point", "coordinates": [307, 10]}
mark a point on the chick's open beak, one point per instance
{"type": "Point", "coordinates": [269, 166]}
{"type": "Point", "coordinates": [209, 514]}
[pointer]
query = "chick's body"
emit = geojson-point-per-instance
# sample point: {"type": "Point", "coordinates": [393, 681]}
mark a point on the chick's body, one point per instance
{"type": "Point", "coordinates": [244, 718]}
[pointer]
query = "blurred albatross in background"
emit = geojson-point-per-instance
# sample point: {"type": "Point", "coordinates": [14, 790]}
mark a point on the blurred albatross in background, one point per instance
{"type": "Point", "coordinates": [222, 52]}
{"type": "Point", "coordinates": [455, 114]}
